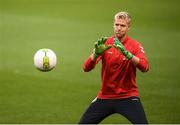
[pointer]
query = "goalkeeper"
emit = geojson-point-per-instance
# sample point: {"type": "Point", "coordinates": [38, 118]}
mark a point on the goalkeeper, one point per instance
{"type": "Point", "coordinates": [120, 56]}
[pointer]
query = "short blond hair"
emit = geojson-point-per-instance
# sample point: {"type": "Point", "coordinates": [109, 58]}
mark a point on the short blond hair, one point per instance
{"type": "Point", "coordinates": [123, 15]}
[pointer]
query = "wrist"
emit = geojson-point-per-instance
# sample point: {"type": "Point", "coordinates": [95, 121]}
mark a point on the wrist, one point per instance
{"type": "Point", "coordinates": [94, 56]}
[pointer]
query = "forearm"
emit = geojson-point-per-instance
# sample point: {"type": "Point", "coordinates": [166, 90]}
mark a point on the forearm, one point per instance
{"type": "Point", "coordinates": [89, 64]}
{"type": "Point", "coordinates": [140, 63]}
{"type": "Point", "coordinates": [135, 60]}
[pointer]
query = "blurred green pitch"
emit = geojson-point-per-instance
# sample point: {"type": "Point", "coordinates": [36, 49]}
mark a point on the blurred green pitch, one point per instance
{"type": "Point", "coordinates": [70, 28]}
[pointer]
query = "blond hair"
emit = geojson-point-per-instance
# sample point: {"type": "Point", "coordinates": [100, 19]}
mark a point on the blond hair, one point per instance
{"type": "Point", "coordinates": [123, 15]}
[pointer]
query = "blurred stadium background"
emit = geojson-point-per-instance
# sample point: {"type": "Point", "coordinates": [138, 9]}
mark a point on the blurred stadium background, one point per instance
{"type": "Point", "coordinates": [70, 28]}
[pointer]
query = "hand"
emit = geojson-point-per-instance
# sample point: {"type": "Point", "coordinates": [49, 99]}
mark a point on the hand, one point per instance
{"type": "Point", "coordinates": [120, 47]}
{"type": "Point", "coordinates": [100, 47]}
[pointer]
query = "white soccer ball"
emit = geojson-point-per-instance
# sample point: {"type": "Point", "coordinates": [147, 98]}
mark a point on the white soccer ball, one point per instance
{"type": "Point", "coordinates": [45, 59]}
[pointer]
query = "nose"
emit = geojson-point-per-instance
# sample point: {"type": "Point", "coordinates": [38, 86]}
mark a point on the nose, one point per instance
{"type": "Point", "coordinates": [118, 27]}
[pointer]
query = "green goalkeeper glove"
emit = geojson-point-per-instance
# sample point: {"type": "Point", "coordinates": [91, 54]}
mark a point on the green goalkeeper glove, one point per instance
{"type": "Point", "coordinates": [120, 47]}
{"type": "Point", "coordinates": [100, 47]}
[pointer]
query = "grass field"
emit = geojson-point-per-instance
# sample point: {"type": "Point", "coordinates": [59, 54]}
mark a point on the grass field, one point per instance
{"type": "Point", "coordinates": [70, 28]}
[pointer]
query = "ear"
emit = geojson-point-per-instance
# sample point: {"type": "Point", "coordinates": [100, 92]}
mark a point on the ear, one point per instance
{"type": "Point", "coordinates": [129, 28]}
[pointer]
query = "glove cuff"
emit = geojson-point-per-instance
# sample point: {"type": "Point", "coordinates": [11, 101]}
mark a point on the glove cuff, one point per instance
{"type": "Point", "coordinates": [128, 55]}
{"type": "Point", "coordinates": [95, 56]}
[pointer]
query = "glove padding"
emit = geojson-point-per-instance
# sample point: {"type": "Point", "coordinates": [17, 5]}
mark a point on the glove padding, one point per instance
{"type": "Point", "coordinates": [100, 47]}
{"type": "Point", "coordinates": [120, 47]}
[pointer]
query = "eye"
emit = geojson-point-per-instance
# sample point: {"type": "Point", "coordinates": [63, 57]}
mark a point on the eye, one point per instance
{"type": "Point", "coordinates": [123, 25]}
{"type": "Point", "coordinates": [116, 24]}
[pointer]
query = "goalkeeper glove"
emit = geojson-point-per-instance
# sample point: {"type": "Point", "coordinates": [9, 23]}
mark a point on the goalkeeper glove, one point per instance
{"type": "Point", "coordinates": [100, 47]}
{"type": "Point", "coordinates": [120, 47]}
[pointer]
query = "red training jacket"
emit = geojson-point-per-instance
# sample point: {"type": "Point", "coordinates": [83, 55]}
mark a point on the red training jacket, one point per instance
{"type": "Point", "coordinates": [118, 74]}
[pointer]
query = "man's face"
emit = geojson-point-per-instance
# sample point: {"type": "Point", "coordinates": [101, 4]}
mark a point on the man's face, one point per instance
{"type": "Point", "coordinates": [121, 27]}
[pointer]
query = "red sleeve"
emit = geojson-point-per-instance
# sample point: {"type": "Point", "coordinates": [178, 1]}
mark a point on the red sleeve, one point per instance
{"type": "Point", "coordinates": [143, 64]}
{"type": "Point", "coordinates": [89, 64]}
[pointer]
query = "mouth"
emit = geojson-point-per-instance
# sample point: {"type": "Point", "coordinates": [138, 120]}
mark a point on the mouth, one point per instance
{"type": "Point", "coordinates": [117, 33]}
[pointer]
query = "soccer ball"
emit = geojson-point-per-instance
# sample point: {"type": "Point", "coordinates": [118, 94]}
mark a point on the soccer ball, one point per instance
{"type": "Point", "coordinates": [45, 59]}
